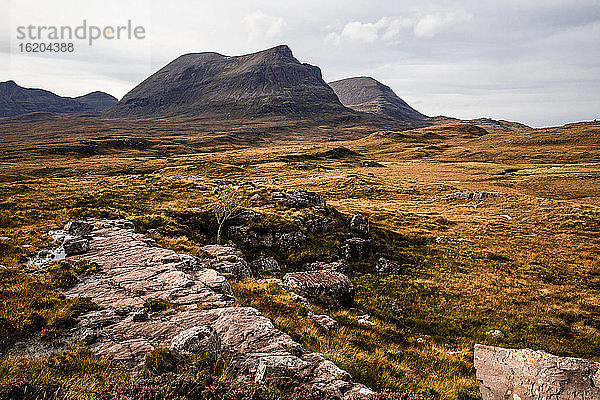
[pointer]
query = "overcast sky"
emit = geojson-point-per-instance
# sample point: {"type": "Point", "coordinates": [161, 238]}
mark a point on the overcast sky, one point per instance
{"type": "Point", "coordinates": [537, 62]}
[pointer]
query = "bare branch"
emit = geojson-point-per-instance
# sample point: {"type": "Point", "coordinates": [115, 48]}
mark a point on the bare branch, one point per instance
{"type": "Point", "coordinates": [228, 203]}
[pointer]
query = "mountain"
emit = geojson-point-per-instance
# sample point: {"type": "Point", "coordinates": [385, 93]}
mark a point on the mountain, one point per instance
{"type": "Point", "coordinates": [17, 100]}
{"type": "Point", "coordinates": [97, 101]}
{"type": "Point", "coordinates": [369, 95]}
{"type": "Point", "coordinates": [268, 83]}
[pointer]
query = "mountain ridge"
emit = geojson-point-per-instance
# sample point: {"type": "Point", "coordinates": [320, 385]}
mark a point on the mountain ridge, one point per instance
{"type": "Point", "coordinates": [18, 100]}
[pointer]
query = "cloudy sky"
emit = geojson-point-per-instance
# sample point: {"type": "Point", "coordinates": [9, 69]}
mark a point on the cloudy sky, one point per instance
{"type": "Point", "coordinates": [532, 61]}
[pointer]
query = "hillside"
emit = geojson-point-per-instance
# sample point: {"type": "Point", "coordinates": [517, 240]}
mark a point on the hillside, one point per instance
{"type": "Point", "coordinates": [97, 101]}
{"type": "Point", "coordinates": [371, 96]}
{"type": "Point", "coordinates": [268, 83]}
{"type": "Point", "coordinates": [490, 125]}
{"type": "Point", "coordinates": [17, 100]}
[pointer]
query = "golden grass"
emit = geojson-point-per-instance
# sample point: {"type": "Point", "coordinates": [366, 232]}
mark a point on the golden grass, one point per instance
{"type": "Point", "coordinates": [529, 264]}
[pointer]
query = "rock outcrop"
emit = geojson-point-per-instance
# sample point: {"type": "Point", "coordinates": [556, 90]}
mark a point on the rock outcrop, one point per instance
{"type": "Point", "coordinates": [227, 260]}
{"type": "Point", "coordinates": [299, 199]}
{"type": "Point", "coordinates": [250, 237]}
{"type": "Point", "coordinates": [523, 374]}
{"type": "Point", "coordinates": [322, 283]}
{"type": "Point", "coordinates": [356, 248]}
{"type": "Point", "coordinates": [199, 315]}
{"type": "Point", "coordinates": [359, 224]}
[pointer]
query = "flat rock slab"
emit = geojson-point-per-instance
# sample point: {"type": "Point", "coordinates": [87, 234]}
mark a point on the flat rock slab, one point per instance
{"type": "Point", "coordinates": [243, 331]}
{"type": "Point", "coordinates": [133, 269]}
{"type": "Point", "coordinates": [523, 374]}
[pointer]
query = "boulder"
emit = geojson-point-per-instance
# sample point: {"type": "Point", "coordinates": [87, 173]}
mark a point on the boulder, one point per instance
{"type": "Point", "coordinates": [524, 374]}
{"type": "Point", "coordinates": [495, 334]}
{"type": "Point", "coordinates": [291, 241]}
{"type": "Point", "coordinates": [199, 339]}
{"type": "Point", "coordinates": [75, 245]}
{"type": "Point", "coordinates": [385, 266]}
{"type": "Point", "coordinates": [78, 228]}
{"type": "Point", "coordinates": [299, 199]}
{"type": "Point", "coordinates": [359, 224]}
{"type": "Point", "coordinates": [324, 321]}
{"type": "Point", "coordinates": [227, 260]}
{"type": "Point", "coordinates": [365, 320]}
{"type": "Point", "coordinates": [266, 264]}
{"type": "Point", "coordinates": [322, 283]}
{"type": "Point", "coordinates": [356, 248]}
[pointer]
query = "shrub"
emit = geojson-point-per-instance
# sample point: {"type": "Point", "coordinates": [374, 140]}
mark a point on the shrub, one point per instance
{"type": "Point", "coordinates": [154, 304]}
{"type": "Point", "coordinates": [161, 360]}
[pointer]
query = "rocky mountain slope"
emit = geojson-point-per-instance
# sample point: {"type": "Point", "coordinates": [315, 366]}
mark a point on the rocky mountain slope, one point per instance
{"type": "Point", "coordinates": [267, 83]}
{"type": "Point", "coordinates": [369, 95]}
{"type": "Point", "coordinates": [17, 100]}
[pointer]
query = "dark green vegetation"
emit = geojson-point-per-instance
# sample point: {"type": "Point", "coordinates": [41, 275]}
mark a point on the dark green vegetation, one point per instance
{"type": "Point", "coordinates": [527, 263]}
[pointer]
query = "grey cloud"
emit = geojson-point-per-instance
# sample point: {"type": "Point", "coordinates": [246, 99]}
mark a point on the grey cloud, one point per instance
{"type": "Point", "coordinates": [517, 59]}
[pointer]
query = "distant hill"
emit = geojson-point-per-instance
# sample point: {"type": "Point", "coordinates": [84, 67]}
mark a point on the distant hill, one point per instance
{"type": "Point", "coordinates": [369, 95]}
{"type": "Point", "coordinates": [97, 101]}
{"type": "Point", "coordinates": [268, 83]}
{"type": "Point", "coordinates": [490, 125]}
{"type": "Point", "coordinates": [17, 100]}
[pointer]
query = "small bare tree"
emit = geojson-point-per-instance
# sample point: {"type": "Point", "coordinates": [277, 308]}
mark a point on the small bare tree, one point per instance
{"type": "Point", "coordinates": [228, 203]}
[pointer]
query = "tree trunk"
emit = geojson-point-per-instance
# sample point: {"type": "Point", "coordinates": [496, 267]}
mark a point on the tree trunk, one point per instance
{"type": "Point", "coordinates": [219, 232]}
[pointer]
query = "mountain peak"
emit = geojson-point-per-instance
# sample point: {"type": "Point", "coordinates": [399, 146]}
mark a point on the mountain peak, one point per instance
{"type": "Point", "coordinates": [266, 83]}
{"type": "Point", "coordinates": [367, 94]}
{"type": "Point", "coordinates": [282, 49]}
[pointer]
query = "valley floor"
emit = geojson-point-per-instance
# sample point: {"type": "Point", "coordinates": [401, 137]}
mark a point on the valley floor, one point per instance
{"type": "Point", "coordinates": [494, 233]}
